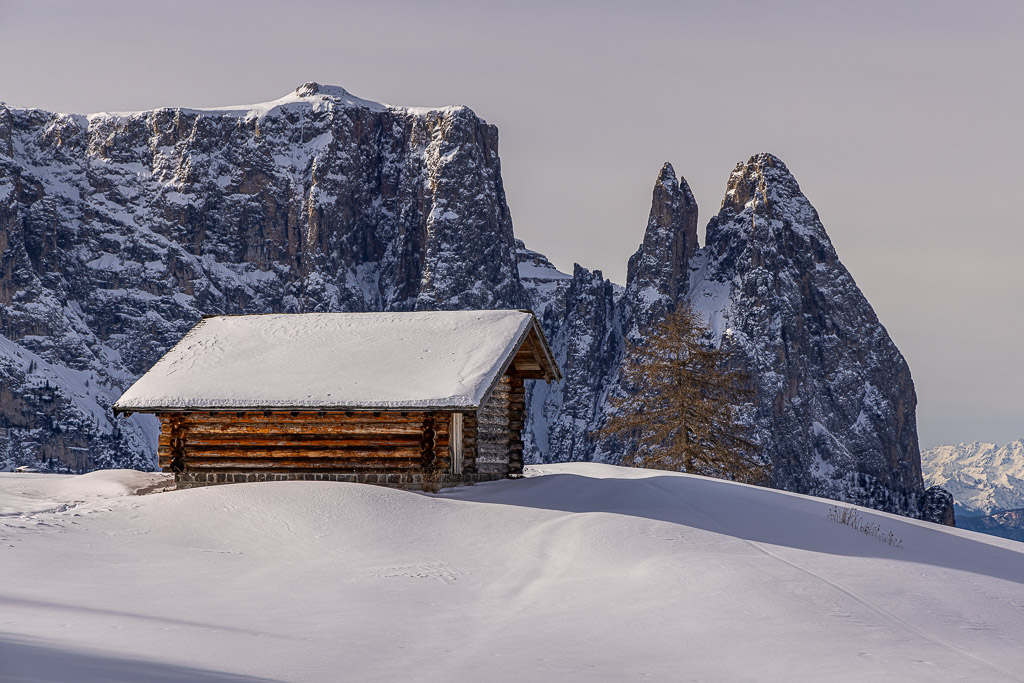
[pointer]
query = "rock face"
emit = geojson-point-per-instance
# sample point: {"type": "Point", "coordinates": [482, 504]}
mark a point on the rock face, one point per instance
{"type": "Point", "coordinates": [657, 273]}
{"type": "Point", "coordinates": [835, 406]}
{"type": "Point", "coordinates": [117, 232]}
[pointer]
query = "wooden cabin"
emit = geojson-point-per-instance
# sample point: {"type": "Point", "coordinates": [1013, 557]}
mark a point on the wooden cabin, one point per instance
{"type": "Point", "coordinates": [412, 400]}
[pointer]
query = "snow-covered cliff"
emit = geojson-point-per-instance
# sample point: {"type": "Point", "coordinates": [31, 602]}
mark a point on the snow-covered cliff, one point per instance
{"type": "Point", "coordinates": [835, 407]}
{"type": "Point", "coordinates": [118, 231]}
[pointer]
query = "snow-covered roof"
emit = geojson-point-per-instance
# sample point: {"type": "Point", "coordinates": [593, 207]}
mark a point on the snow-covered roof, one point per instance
{"type": "Point", "coordinates": [325, 361]}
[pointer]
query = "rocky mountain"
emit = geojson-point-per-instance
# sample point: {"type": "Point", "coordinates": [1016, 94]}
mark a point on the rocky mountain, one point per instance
{"type": "Point", "coordinates": [118, 231]}
{"type": "Point", "coordinates": [984, 478]}
{"type": "Point", "coordinates": [835, 406]}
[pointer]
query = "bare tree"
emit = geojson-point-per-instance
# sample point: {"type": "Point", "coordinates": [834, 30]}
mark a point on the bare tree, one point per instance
{"type": "Point", "coordinates": [680, 405]}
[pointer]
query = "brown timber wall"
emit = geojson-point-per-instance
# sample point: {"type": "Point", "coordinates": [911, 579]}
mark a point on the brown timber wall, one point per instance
{"type": "Point", "coordinates": [516, 411]}
{"type": "Point", "coordinates": [391, 448]}
{"type": "Point", "coordinates": [500, 428]}
{"type": "Point", "coordinates": [492, 431]}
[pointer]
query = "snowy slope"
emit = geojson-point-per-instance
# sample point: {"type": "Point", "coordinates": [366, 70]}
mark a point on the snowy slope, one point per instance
{"type": "Point", "coordinates": [983, 477]}
{"type": "Point", "coordinates": [579, 572]}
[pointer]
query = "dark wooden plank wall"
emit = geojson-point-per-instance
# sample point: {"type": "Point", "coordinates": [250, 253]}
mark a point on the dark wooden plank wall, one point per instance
{"type": "Point", "coordinates": [307, 441]}
{"type": "Point", "coordinates": [516, 412]}
{"type": "Point", "coordinates": [500, 428]}
{"type": "Point", "coordinates": [493, 430]}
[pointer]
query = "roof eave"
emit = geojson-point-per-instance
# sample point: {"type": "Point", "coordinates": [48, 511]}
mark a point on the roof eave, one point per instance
{"type": "Point", "coordinates": [456, 408]}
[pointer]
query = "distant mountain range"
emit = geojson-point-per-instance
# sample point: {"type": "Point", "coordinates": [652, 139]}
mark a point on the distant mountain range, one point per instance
{"type": "Point", "coordinates": [987, 483]}
{"type": "Point", "coordinates": [984, 478]}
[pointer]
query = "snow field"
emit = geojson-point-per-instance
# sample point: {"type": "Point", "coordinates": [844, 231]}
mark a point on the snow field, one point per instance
{"type": "Point", "coordinates": [577, 572]}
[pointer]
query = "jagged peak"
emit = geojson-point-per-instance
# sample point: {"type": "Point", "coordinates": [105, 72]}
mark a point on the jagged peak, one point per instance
{"type": "Point", "coordinates": [764, 186]}
{"type": "Point", "coordinates": [756, 179]}
{"type": "Point", "coordinates": [766, 160]}
{"type": "Point", "coordinates": [670, 186]}
{"type": "Point", "coordinates": [674, 184]}
{"type": "Point", "coordinates": [667, 176]}
{"type": "Point", "coordinates": [670, 240]}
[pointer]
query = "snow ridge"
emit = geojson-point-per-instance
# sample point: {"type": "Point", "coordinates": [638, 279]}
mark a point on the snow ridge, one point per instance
{"type": "Point", "coordinates": [765, 585]}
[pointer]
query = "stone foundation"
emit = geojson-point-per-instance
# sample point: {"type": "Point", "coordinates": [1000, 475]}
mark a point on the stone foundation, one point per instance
{"type": "Point", "coordinates": [411, 482]}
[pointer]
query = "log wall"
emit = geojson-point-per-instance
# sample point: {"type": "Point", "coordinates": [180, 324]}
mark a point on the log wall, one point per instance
{"type": "Point", "coordinates": [493, 431]}
{"type": "Point", "coordinates": [516, 412]}
{"type": "Point", "coordinates": [499, 433]}
{"type": "Point", "coordinates": [406, 449]}
{"type": "Point", "coordinates": [396, 449]}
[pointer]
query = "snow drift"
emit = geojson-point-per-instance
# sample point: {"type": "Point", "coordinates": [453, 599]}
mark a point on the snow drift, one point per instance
{"type": "Point", "coordinates": [579, 571]}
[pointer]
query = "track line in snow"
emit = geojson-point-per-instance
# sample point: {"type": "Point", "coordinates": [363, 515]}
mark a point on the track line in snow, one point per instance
{"type": "Point", "coordinates": [158, 621]}
{"type": "Point", "coordinates": [885, 613]}
{"type": "Point", "coordinates": [868, 604]}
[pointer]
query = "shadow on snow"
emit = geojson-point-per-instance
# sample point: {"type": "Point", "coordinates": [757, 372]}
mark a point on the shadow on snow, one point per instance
{"type": "Point", "coordinates": [750, 513]}
{"type": "Point", "coordinates": [34, 661]}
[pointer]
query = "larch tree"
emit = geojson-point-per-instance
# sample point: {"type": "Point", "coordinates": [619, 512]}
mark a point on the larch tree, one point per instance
{"type": "Point", "coordinates": [680, 404]}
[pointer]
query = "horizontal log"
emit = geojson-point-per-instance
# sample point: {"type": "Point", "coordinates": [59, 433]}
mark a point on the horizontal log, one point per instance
{"type": "Point", "coordinates": [310, 428]}
{"type": "Point", "coordinates": [369, 465]}
{"type": "Point", "coordinates": [262, 452]}
{"type": "Point", "coordinates": [287, 417]}
{"type": "Point", "coordinates": [312, 440]}
{"type": "Point", "coordinates": [300, 456]}
{"type": "Point", "coordinates": [299, 452]}
{"type": "Point", "coordinates": [363, 465]}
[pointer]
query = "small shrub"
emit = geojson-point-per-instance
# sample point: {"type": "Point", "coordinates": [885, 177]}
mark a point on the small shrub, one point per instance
{"type": "Point", "coordinates": [851, 517]}
{"type": "Point", "coordinates": [431, 481]}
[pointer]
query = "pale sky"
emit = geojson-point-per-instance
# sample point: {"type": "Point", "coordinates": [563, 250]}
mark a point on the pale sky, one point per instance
{"type": "Point", "coordinates": [901, 121]}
